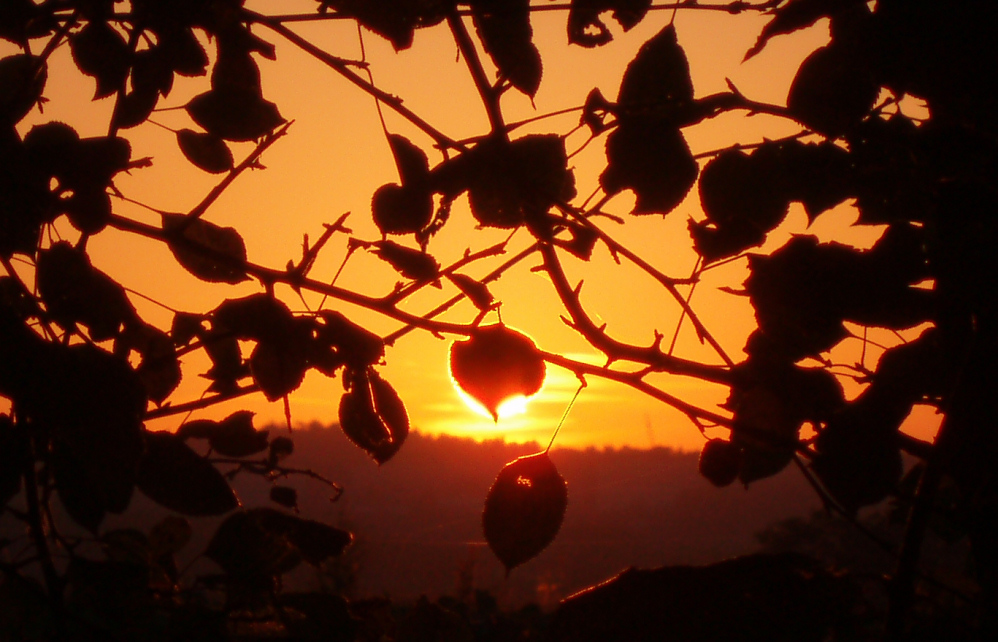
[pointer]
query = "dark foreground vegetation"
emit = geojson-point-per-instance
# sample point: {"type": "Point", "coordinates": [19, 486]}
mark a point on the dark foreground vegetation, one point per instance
{"type": "Point", "coordinates": [893, 117]}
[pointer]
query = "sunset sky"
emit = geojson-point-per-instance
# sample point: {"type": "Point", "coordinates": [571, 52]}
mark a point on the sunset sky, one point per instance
{"type": "Point", "coordinates": [335, 156]}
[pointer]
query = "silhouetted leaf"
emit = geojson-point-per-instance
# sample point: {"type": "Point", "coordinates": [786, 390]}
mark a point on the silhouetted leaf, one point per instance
{"type": "Point", "coordinates": [186, 55]}
{"type": "Point", "coordinates": [373, 417]}
{"type": "Point", "coordinates": [227, 365]}
{"type": "Point", "coordinates": [252, 544]}
{"type": "Point", "coordinates": [511, 183]}
{"type": "Point", "coordinates": [476, 291]}
{"type": "Point", "coordinates": [234, 115]}
{"type": "Point", "coordinates": [133, 108]}
{"type": "Point", "coordinates": [257, 316]}
{"type": "Point", "coordinates": [76, 292]}
{"type": "Point", "coordinates": [89, 210]}
{"type": "Point", "coordinates": [152, 71]}
{"type": "Point", "coordinates": [234, 436]}
{"type": "Point", "coordinates": [174, 476]}
{"type": "Point", "coordinates": [101, 52]}
{"type": "Point", "coordinates": [720, 462]}
{"type": "Point", "coordinates": [278, 367]}
{"type": "Point", "coordinates": [358, 346]}
{"type": "Point", "coordinates": [594, 112]}
{"type": "Point", "coordinates": [263, 542]}
{"type": "Point", "coordinates": [285, 496]}
{"type": "Point", "coordinates": [744, 198]}
{"type": "Point", "coordinates": [159, 368]}
{"type": "Point", "coordinates": [587, 29]}
{"type": "Point", "coordinates": [22, 80]}
{"type": "Point", "coordinates": [316, 541]}
{"type": "Point", "coordinates": [93, 403]}
{"type": "Point", "coordinates": [652, 159]}
{"type": "Point", "coordinates": [207, 152]}
{"type": "Point", "coordinates": [410, 263]}
{"type": "Point", "coordinates": [647, 153]}
{"type": "Point", "coordinates": [781, 598]}
{"type": "Point", "coordinates": [210, 252]}
{"type": "Point", "coordinates": [657, 81]}
{"type": "Point", "coordinates": [832, 91]}
{"type": "Point", "coordinates": [495, 364]}
{"type": "Point", "coordinates": [400, 209]}
{"type": "Point", "coordinates": [185, 327]}
{"type": "Point", "coordinates": [280, 447]}
{"type": "Point", "coordinates": [524, 509]}
{"type": "Point", "coordinates": [504, 27]}
{"type": "Point", "coordinates": [23, 19]}
{"type": "Point", "coordinates": [411, 162]}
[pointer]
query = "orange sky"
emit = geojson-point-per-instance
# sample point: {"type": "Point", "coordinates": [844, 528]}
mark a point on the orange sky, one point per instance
{"type": "Point", "coordinates": [336, 155]}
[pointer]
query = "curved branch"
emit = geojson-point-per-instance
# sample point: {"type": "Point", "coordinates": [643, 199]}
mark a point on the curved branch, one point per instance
{"type": "Point", "coordinates": [614, 350]}
{"type": "Point", "coordinates": [634, 380]}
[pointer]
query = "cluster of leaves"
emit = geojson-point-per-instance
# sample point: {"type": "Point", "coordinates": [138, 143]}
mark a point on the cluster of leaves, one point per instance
{"type": "Point", "coordinates": [83, 371]}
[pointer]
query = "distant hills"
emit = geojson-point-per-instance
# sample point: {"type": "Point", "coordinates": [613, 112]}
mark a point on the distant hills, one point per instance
{"type": "Point", "coordinates": [417, 519]}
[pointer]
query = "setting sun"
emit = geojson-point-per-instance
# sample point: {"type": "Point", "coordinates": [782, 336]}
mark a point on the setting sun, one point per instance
{"type": "Point", "coordinates": [510, 407]}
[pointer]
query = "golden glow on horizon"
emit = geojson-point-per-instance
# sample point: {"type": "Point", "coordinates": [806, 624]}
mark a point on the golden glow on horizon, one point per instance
{"type": "Point", "coordinates": [511, 407]}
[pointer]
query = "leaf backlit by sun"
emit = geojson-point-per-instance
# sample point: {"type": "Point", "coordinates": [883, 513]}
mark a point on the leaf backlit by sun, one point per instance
{"type": "Point", "coordinates": [511, 407]}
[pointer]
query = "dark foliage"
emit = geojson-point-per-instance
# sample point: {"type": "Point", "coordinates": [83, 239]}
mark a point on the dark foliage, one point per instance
{"type": "Point", "coordinates": [83, 372]}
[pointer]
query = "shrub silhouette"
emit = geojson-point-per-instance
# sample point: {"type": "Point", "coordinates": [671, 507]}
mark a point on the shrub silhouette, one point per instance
{"type": "Point", "coordinates": [80, 366]}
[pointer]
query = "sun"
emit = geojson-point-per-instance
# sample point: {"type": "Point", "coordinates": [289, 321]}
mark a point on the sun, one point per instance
{"type": "Point", "coordinates": [510, 407]}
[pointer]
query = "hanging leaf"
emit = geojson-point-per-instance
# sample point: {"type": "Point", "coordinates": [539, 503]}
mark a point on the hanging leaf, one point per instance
{"type": "Point", "coordinates": [317, 542]}
{"type": "Point", "coordinates": [252, 544]}
{"type": "Point", "coordinates": [411, 161]}
{"type": "Point", "coordinates": [174, 476]}
{"type": "Point", "coordinates": [595, 111]}
{"type": "Point", "coordinates": [410, 263]}
{"type": "Point", "coordinates": [476, 291]}
{"type": "Point", "coordinates": [401, 210]}
{"type": "Point", "coordinates": [587, 29]}
{"type": "Point", "coordinates": [205, 151]}
{"type": "Point", "coordinates": [653, 160]}
{"type": "Point", "coordinates": [495, 364]}
{"type": "Point", "coordinates": [524, 509]}
{"type": "Point", "coordinates": [504, 27]}
{"type": "Point", "coordinates": [159, 368]}
{"type": "Point", "coordinates": [234, 436]}
{"type": "Point", "coordinates": [833, 90]}
{"type": "Point", "coordinates": [359, 346]}
{"type": "Point", "coordinates": [22, 80]}
{"type": "Point", "coordinates": [657, 81]}
{"type": "Point", "coordinates": [278, 367]}
{"type": "Point", "coordinates": [93, 403]}
{"type": "Point", "coordinates": [76, 292]}
{"type": "Point", "coordinates": [720, 462]}
{"type": "Point", "coordinates": [373, 417]}
{"type": "Point", "coordinates": [285, 496]}
{"type": "Point", "coordinates": [210, 252]}
{"type": "Point", "coordinates": [101, 52]}
{"type": "Point", "coordinates": [511, 183]}
{"type": "Point", "coordinates": [234, 115]}
{"type": "Point", "coordinates": [134, 108]}
{"type": "Point", "coordinates": [647, 153]}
